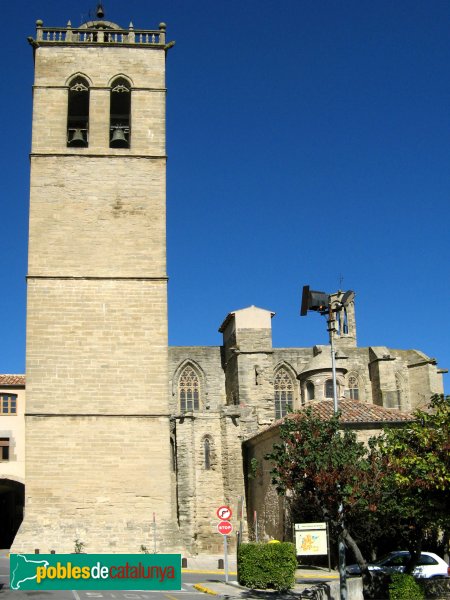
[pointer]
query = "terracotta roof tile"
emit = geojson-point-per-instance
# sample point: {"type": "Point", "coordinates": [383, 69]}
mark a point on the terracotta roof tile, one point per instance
{"type": "Point", "coordinates": [12, 379]}
{"type": "Point", "coordinates": [352, 411]}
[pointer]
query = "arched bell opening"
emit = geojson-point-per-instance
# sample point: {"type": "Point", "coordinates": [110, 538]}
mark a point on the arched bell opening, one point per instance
{"type": "Point", "coordinates": [78, 114]}
{"type": "Point", "coordinates": [120, 111]}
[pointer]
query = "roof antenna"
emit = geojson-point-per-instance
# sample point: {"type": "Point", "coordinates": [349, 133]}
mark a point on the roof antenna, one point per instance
{"type": "Point", "coordinates": [100, 11]}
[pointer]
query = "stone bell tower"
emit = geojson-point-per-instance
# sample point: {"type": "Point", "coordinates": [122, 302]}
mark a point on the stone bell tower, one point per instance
{"type": "Point", "coordinates": [98, 464]}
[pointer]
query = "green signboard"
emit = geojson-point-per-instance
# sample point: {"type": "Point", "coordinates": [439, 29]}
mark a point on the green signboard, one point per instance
{"type": "Point", "coordinates": [95, 571]}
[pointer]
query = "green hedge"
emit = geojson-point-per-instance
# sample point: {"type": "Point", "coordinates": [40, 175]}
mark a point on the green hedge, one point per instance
{"type": "Point", "coordinates": [404, 587]}
{"type": "Point", "coordinates": [266, 566]}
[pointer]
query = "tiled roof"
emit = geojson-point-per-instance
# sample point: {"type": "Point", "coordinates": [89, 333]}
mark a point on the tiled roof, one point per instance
{"type": "Point", "coordinates": [353, 411]}
{"type": "Point", "coordinates": [12, 379]}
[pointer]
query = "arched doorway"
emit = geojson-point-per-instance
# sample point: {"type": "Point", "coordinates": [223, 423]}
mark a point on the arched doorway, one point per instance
{"type": "Point", "coordinates": [12, 496]}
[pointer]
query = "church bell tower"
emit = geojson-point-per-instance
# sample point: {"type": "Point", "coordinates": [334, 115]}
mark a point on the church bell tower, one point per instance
{"type": "Point", "coordinates": [98, 465]}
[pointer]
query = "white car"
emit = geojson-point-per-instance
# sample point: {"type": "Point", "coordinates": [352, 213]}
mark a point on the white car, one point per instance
{"type": "Point", "coordinates": [429, 565]}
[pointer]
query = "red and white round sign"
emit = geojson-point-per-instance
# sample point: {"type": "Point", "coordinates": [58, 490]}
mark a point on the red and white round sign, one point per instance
{"type": "Point", "coordinates": [224, 527]}
{"type": "Point", "coordinates": [224, 513]}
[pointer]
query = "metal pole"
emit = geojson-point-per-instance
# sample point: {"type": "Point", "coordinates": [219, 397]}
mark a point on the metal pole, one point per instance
{"type": "Point", "coordinates": [342, 572]}
{"type": "Point", "coordinates": [225, 554]}
{"type": "Point", "coordinates": [240, 515]}
{"type": "Point", "coordinates": [328, 547]}
{"type": "Point", "coordinates": [341, 544]}
{"type": "Point", "coordinates": [331, 321]}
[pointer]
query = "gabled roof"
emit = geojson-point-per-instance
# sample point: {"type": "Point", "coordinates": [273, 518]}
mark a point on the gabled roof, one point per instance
{"type": "Point", "coordinates": [12, 380]}
{"type": "Point", "coordinates": [249, 313]}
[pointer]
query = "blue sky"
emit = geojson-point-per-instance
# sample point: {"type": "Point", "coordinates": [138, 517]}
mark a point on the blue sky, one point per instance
{"type": "Point", "coordinates": [308, 143]}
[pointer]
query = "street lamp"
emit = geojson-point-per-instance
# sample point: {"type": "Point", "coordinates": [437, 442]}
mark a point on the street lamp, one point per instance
{"type": "Point", "coordinates": [325, 305]}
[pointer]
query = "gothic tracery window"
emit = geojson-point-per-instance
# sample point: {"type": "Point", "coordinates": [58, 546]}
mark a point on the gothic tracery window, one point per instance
{"type": "Point", "coordinates": [189, 390]}
{"type": "Point", "coordinates": [284, 393]}
{"type": "Point", "coordinates": [353, 387]}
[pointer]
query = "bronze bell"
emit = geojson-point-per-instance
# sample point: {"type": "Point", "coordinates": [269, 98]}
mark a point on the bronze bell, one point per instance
{"type": "Point", "coordinates": [100, 11]}
{"type": "Point", "coordinates": [77, 138]}
{"type": "Point", "coordinates": [118, 139]}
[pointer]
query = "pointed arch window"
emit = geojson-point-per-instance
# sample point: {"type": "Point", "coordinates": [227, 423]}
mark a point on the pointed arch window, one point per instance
{"type": "Point", "coordinates": [353, 387]}
{"type": "Point", "coordinates": [78, 113]}
{"type": "Point", "coordinates": [284, 393]}
{"type": "Point", "coordinates": [120, 114]}
{"type": "Point", "coordinates": [189, 390]}
{"type": "Point", "coordinates": [310, 390]}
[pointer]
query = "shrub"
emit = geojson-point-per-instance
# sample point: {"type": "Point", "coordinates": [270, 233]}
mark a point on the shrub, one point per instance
{"type": "Point", "coordinates": [266, 566]}
{"type": "Point", "coordinates": [404, 587]}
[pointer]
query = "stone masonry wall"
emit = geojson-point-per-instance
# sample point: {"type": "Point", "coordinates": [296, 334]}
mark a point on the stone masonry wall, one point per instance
{"type": "Point", "coordinates": [96, 347]}
{"type": "Point", "coordinates": [98, 424]}
{"type": "Point", "coordinates": [89, 479]}
{"type": "Point", "coordinates": [207, 362]}
{"type": "Point", "coordinates": [97, 217]}
{"type": "Point", "coordinates": [144, 67]}
{"type": "Point", "coordinates": [200, 490]}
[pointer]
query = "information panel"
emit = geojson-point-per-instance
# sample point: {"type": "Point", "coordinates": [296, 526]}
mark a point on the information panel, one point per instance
{"type": "Point", "coordinates": [311, 539]}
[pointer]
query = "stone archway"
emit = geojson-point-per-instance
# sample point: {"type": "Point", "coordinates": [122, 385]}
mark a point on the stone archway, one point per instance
{"type": "Point", "coordinates": [12, 496]}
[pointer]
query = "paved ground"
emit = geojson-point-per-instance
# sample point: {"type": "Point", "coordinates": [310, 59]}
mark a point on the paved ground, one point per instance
{"type": "Point", "coordinates": [202, 575]}
{"type": "Point", "coordinates": [213, 582]}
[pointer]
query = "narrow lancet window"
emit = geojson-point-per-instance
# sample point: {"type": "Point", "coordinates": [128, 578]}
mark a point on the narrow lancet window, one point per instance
{"type": "Point", "coordinates": [207, 452]}
{"type": "Point", "coordinates": [119, 115]}
{"type": "Point", "coordinates": [78, 114]}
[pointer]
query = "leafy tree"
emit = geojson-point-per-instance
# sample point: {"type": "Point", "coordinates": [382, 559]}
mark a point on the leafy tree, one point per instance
{"type": "Point", "coordinates": [322, 469]}
{"type": "Point", "coordinates": [416, 462]}
{"type": "Point", "coordinates": [399, 482]}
